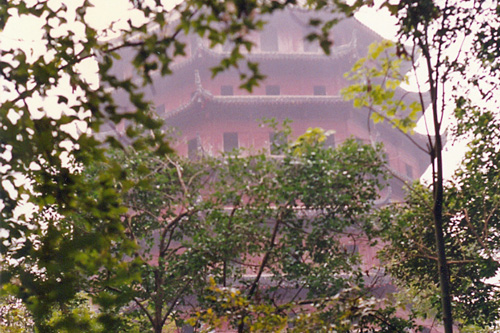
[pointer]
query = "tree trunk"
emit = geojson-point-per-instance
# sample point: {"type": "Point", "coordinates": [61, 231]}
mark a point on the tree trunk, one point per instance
{"type": "Point", "coordinates": [444, 274]}
{"type": "Point", "coordinates": [437, 181]}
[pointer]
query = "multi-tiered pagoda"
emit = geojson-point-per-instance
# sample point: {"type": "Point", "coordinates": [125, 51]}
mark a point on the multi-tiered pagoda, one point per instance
{"type": "Point", "coordinates": [302, 84]}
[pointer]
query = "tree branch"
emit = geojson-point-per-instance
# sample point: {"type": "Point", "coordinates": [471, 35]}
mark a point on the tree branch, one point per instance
{"type": "Point", "coordinates": [171, 308]}
{"type": "Point", "coordinates": [473, 230]}
{"type": "Point", "coordinates": [266, 256]}
{"type": "Point", "coordinates": [143, 308]}
{"type": "Point", "coordinates": [486, 221]}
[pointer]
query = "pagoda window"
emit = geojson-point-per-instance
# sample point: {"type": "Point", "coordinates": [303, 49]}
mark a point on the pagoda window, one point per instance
{"type": "Point", "coordinates": [409, 170]}
{"type": "Point", "coordinates": [272, 90]}
{"type": "Point", "coordinates": [269, 40]}
{"type": "Point", "coordinates": [194, 148]}
{"type": "Point", "coordinates": [277, 140]}
{"type": "Point", "coordinates": [193, 44]}
{"type": "Point", "coordinates": [319, 90]}
{"type": "Point", "coordinates": [230, 141]}
{"type": "Point", "coordinates": [226, 91]}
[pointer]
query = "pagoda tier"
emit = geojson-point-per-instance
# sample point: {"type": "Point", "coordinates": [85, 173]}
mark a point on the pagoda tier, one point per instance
{"type": "Point", "coordinates": [283, 54]}
{"type": "Point", "coordinates": [302, 84]}
{"type": "Point", "coordinates": [212, 123]}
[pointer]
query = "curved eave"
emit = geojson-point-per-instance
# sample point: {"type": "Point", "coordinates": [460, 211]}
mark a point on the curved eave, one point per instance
{"type": "Point", "coordinates": [203, 53]}
{"type": "Point", "coordinates": [205, 96]}
{"type": "Point", "coordinates": [281, 99]}
{"type": "Point", "coordinates": [338, 52]}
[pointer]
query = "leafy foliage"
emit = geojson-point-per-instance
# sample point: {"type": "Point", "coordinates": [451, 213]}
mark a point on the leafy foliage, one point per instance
{"type": "Point", "coordinates": [76, 230]}
{"type": "Point", "coordinates": [79, 234]}
{"type": "Point", "coordinates": [14, 317]}
{"type": "Point", "coordinates": [471, 223]}
{"type": "Point", "coordinates": [350, 309]}
{"type": "Point", "coordinates": [377, 78]}
{"type": "Point", "coordinates": [438, 35]}
{"type": "Point", "coordinates": [268, 231]}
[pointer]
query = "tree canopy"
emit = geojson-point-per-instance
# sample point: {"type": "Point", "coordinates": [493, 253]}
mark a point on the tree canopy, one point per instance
{"type": "Point", "coordinates": [269, 232]}
{"type": "Point", "coordinates": [77, 231]}
{"type": "Point", "coordinates": [447, 42]}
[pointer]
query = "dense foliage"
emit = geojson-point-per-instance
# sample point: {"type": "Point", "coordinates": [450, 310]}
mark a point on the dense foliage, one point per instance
{"type": "Point", "coordinates": [81, 228]}
{"type": "Point", "coordinates": [58, 226]}
{"type": "Point", "coordinates": [471, 230]}
{"type": "Point", "coordinates": [272, 232]}
{"type": "Point", "coordinates": [452, 48]}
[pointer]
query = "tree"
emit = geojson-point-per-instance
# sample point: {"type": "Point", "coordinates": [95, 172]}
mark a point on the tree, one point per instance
{"type": "Point", "coordinates": [440, 35]}
{"type": "Point", "coordinates": [49, 259]}
{"type": "Point", "coordinates": [44, 148]}
{"type": "Point", "coordinates": [75, 229]}
{"type": "Point", "coordinates": [471, 216]}
{"type": "Point", "coordinates": [253, 242]}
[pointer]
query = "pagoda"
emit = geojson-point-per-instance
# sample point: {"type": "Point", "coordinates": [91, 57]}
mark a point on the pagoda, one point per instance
{"type": "Point", "coordinates": [214, 115]}
{"type": "Point", "coordinates": [302, 84]}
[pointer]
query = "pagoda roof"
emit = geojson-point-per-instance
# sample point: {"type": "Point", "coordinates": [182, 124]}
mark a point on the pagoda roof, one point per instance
{"type": "Point", "coordinates": [203, 53]}
{"type": "Point", "coordinates": [202, 95]}
{"type": "Point", "coordinates": [257, 99]}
